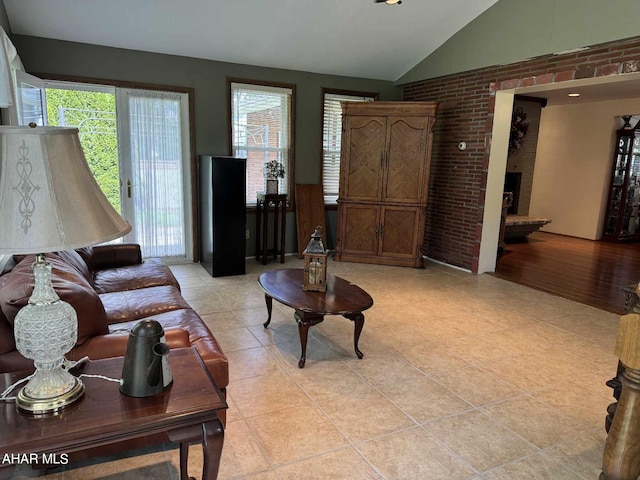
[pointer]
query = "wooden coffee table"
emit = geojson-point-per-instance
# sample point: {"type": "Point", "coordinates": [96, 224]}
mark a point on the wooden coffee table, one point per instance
{"type": "Point", "coordinates": [187, 412]}
{"type": "Point", "coordinates": [341, 298]}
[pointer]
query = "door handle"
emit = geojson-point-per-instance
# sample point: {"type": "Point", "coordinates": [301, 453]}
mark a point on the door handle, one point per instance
{"type": "Point", "coordinates": [128, 188]}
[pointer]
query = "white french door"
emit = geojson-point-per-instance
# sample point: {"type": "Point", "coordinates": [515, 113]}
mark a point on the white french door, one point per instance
{"type": "Point", "coordinates": [137, 145]}
{"type": "Point", "coordinates": [155, 171]}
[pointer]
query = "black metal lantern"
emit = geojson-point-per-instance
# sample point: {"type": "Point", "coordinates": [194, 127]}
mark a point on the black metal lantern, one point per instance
{"type": "Point", "coordinates": [315, 264]}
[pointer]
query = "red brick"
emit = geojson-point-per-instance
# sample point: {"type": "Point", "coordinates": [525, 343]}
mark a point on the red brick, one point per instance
{"type": "Point", "coordinates": [585, 71]}
{"type": "Point", "coordinates": [544, 79]}
{"type": "Point", "coordinates": [478, 231]}
{"type": "Point", "coordinates": [605, 70]}
{"type": "Point", "coordinates": [564, 76]}
{"type": "Point", "coordinates": [528, 82]}
{"type": "Point", "coordinates": [509, 84]}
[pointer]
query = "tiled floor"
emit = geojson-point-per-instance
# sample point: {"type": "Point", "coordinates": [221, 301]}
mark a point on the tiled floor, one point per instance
{"type": "Point", "coordinates": [463, 377]}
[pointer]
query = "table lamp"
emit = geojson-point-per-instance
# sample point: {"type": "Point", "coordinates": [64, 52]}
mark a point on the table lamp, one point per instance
{"type": "Point", "coordinates": [49, 201]}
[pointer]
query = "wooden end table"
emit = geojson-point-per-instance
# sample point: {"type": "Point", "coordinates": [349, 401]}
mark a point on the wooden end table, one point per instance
{"type": "Point", "coordinates": [264, 203]}
{"type": "Point", "coordinates": [187, 412]}
{"type": "Point", "coordinates": [341, 298]}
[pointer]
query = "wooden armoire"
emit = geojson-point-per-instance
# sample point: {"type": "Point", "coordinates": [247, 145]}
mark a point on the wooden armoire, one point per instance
{"type": "Point", "coordinates": [384, 178]}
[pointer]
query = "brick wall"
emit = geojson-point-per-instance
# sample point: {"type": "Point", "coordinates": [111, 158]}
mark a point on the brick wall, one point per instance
{"type": "Point", "coordinates": [458, 178]}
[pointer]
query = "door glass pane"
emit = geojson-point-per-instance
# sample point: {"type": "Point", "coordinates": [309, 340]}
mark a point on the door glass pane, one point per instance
{"type": "Point", "coordinates": [156, 169]}
{"type": "Point", "coordinates": [93, 113]}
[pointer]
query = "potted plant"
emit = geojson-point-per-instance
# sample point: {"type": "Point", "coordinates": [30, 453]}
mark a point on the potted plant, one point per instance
{"type": "Point", "coordinates": [273, 170]}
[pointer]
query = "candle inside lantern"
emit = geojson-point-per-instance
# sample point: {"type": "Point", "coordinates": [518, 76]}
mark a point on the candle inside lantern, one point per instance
{"type": "Point", "coordinates": [315, 273]}
{"type": "Point", "coordinates": [313, 268]}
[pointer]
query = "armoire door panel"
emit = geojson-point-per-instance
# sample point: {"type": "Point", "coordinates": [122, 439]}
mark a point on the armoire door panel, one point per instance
{"type": "Point", "coordinates": [407, 149]}
{"type": "Point", "coordinates": [360, 229]}
{"type": "Point", "coordinates": [362, 166]}
{"type": "Point", "coordinates": [399, 231]}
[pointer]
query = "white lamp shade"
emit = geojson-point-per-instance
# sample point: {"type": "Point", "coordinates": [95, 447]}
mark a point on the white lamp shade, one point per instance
{"type": "Point", "coordinates": [49, 199]}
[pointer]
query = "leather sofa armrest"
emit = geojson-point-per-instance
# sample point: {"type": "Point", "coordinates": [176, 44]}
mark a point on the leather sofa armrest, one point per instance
{"type": "Point", "coordinates": [115, 344]}
{"type": "Point", "coordinates": [117, 255]}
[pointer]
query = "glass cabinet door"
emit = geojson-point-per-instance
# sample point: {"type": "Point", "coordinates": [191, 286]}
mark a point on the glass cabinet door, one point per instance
{"type": "Point", "coordinates": [622, 221]}
{"type": "Point", "coordinates": [617, 183]}
{"type": "Point", "coordinates": [631, 218]}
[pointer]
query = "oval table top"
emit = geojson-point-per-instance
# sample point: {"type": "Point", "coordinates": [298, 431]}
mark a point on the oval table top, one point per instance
{"type": "Point", "coordinates": [341, 298]}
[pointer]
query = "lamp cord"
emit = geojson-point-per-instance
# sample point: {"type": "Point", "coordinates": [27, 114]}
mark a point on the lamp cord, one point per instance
{"type": "Point", "coordinates": [4, 397]}
{"type": "Point", "coordinates": [117, 380]}
{"type": "Point", "coordinates": [67, 365]}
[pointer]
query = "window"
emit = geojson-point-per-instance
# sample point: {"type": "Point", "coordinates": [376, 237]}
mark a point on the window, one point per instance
{"type": "Point", "coordinates": [29, 102]}
{"type": "Point", "coordinates": [332, 137]}
{"type": "Point", "coordinates": [261, 132]}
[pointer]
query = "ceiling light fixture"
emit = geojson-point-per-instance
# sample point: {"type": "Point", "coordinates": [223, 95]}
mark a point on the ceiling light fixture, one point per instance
{"type": "Point", "coordinates": [393, 2]}
{"type": "Point", "coordinates": [574, 94]}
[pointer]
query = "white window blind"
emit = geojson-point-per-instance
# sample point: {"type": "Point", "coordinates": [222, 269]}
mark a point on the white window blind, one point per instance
{"type": "Point", "coordinates": [331, 140]}
{"type": "Point", "coordinates": [261, 132]}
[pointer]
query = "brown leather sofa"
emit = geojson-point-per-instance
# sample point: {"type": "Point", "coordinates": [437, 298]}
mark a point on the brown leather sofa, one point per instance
{"type": "Point", "coordinates": [111, 288]}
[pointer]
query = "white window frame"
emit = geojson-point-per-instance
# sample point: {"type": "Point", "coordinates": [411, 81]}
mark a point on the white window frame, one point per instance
{"type": "Point", "coordinates": [29, 102]}
{"type": "Point", "coordinates": [332, 137]}
{"type": "Point", "coordinates": [283, 151]}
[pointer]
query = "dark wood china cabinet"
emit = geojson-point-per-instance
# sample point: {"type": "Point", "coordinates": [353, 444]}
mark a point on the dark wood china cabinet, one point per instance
{"type": "Point", "coordinates": [622, 220]}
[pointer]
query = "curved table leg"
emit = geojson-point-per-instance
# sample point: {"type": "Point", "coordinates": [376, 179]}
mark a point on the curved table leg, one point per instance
{"type": "Point", "coordinates": [305, 320]}
{"type": "Point", "coordinates": [269, 301]}
{"type": "Point", "coordinates": [213, 439]}
{"type": "Point", "coordinates": [211, 435]}
{"type": "Point", "coordinates": [184, 461]}
{"type": "Point", "coordinates": [358, 320]}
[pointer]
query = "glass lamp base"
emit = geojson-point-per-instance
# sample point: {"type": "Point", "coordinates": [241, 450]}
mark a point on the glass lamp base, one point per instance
{"type": "Point", "coordinates": [40, 406]}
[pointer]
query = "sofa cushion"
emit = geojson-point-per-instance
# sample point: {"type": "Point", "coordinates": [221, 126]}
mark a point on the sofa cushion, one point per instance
{"type": "Point", "coordinates": [115, 344]}
{"type": "Point", "coordinates": [141, 303]}
{"type": "Point", "coordinates": [7, 340]}
{"type": "Point", "coordinates": [70, 285]}
{"type": "Point", "coordinates": [114, 255]}
{"type": "Point", "coordinates": [74, 259]}
{"type": "Point", "coordinates": [150, 273]}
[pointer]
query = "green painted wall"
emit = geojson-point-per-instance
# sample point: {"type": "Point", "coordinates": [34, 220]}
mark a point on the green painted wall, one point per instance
{"type": "Point", "coordinates": [208, 79]}
{"type": "Point", "coordinates": [4, 20]}
{"type": "Point", "coordinates": [513, 30]}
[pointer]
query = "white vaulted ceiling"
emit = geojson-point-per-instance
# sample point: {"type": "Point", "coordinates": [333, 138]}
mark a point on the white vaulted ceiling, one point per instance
{"type": "Point", "coordinates": [343, 37]}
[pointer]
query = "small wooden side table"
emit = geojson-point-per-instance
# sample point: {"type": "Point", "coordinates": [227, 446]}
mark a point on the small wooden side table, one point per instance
{"type": "Point", "coordinates": [278, 204]}
{"type": "Point", "coordinates": [187, 412]}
